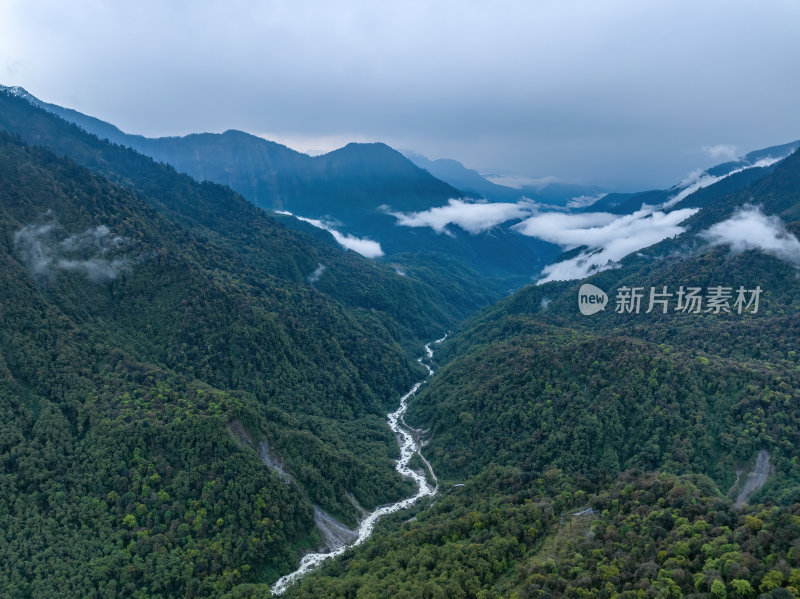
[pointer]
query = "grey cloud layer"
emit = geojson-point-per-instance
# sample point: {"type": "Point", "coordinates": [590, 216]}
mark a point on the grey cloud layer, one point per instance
{"type": "Point", "coordinates": [512, 87]}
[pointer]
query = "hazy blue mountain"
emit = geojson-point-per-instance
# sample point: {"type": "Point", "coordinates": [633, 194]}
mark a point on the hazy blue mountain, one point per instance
{"type": "Point", "coordinates": [350, 180]}
{"type": "Point", "coordinates": [719, 180]}
{"type": "Point", "coordinates": [560, 193]}
{"type": "Point", "coordinates": [466, 179]}
{"type": "Point", "coordinates": [753, 157]}
{"type": "Point", "coordinates": [100, 128]}
{"type": "Point", "coordinates": [556, 193]}
{"type": "Point", "coordinates": [350, 189]}
{"type": "Point", "coordinates": [625, 203]}
{"type": "Point", "coordinates": [230, 221]}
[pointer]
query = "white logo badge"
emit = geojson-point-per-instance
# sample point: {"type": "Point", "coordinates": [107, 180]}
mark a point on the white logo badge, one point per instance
{"type": "Point", "coordinates": [591, 299]}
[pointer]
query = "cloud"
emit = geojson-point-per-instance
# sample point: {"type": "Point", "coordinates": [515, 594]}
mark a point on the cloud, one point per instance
{"type": "Point", "coordinates": [584, 200]}
{"type": "Point", "coordinates": [521, 96]}
{"type": "Point", "coordinates": [360, 245]}
{"type": "Point", "coordinates": [699, 179]}
{"type": "Point", "coordinates": [721, 152]}
{"type": "Point", "coordinates": [365, 247]}
{"type": "Point", "coordinates": [45, 252]}
{"type": "Point", "coordinates": [607, 237]}
{"type": "Point", "coordinates": [473, 217]}
{"type": "Point", "coordinates": [751, 229]}
{"type": "Point", "coordinates": [579, 267]}
{"type": "Point", "coordinates": [315, 276]}
{"type": "Point", "coordinates": [520, 181]}
{"type": "Point", "coordinates": [569, 230]}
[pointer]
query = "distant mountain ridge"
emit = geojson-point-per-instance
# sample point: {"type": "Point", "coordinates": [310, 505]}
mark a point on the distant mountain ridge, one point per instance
{"type": "Point", "coordinates": [705, 186]}
{"type": "Point", "coordinates": [456, 174]}
{"type": "Point", "coordinates": [268, 173]}
{"type": "Point", "coordinates": [356, 192]}
{"type": "Point", "coordinates": [352, 188]}
{"type": "Point", "coordinates": [554, 192]}
{"type": "Point", "coordinates": [600, 455]}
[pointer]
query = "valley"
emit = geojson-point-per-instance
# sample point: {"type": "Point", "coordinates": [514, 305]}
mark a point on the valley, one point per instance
{"type": "Point", "coordinates": [409, 447]}
{"type": "Point", "coordinates": [199, 391]}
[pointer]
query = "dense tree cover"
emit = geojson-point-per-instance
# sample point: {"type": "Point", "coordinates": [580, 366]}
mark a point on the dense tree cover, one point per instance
{"type": "Point", "coordinates": [460, 546]}
{"type": "Point", "coordinates": [235, 234]}
{"type": "Point", "coordinates": [155, 329]}
{"type": "Point", "coordinates": [130, 343]}
{"type": "Point", "coordinates": [613, 402]}
{"type": "Point", "coordinates": [506, 533]}
{"type": "Point", "coordinates": [647, 417]}
{"type": "Point", "coordinates": [531, 382]}
{"type": "Point", "coordinates": [667, 536]}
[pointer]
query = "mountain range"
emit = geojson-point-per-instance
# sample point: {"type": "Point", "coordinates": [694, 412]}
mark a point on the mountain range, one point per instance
{"type": "Point", "coordinates": [352, 191]}
{"type": "Point", "coordinates": [155, 332]}
{"type": "Point", "coordinates": [189, 381]}
{"type": "Point", "coordinates": [625, 453]}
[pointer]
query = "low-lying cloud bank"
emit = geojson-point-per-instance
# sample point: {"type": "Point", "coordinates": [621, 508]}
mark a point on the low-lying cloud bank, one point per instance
{"type": "Point", "coordinates": [700, 179]}
{"type": "Point", "coordinates": [584, 200]}
{"type": "Point", "coordinates": [46, 251]}
{"type": "Point", "coordinates": [473, 217]}
{"type": "Point", "coordinates": [607, 237]}
{"type": "Point", "coordinates": [521, 181]}
{"type": "Point", "coordinates": [751, 229]}
{"type": "Point", "coordinates": [365, 247]}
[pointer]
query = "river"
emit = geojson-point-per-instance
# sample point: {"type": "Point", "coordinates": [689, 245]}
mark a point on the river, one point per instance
{"type": "Point", "coordinates": [409, 445]}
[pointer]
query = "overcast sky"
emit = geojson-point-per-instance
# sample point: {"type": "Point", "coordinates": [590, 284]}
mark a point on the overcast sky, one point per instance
{"type": "Point", "coordinates": [624, 93]}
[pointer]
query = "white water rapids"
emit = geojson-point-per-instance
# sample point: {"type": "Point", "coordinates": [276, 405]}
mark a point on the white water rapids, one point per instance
{"type": "Point", "coordinates": [409, 445]}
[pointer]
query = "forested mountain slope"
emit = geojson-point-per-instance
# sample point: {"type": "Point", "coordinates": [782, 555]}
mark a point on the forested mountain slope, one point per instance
{"type": "Point", "coordinates": [225, 220]}
{"type": "Point", "coordinates": [730, 377]}
{"type": "Point", "coordinates": [151, 335]}
{"type": "Point", "coordinates": [353, 189]}
{"type": "Point", "coordinates": [511, 533]}
{"type": "Point", "coordinates": [155, 329]}
{"type": "Point", "coordinates": [604, 455]}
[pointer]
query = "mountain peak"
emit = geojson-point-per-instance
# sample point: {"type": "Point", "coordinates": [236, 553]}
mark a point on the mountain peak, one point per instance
{"type": "Point", "coordinates": [20, 92]}
{"type": "Point", "coordinates": [362, 149]}
{"type": "Point", "coordinates": [365, 157]}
